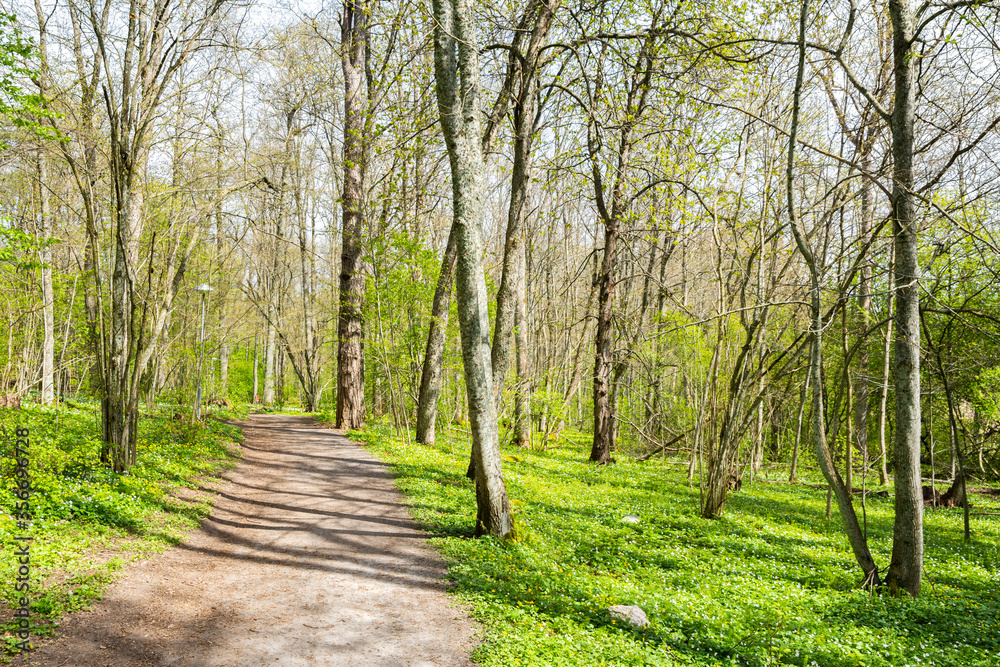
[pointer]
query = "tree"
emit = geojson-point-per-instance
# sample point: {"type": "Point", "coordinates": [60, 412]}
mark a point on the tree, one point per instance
{"type": "Point", "coordinates": [133, 95]}
{"type": "Point", "coordinates": [17, 55]}
{"type": "Point", "coordinates": [906, 567]}
{"type": "Point", "coordinates": [613, 208]}
{"type": "Point", "coordinates": [45, 217]}
{"type": "Point", "coordinates": [350, 327]}
{"type": "Point", "coordinates": [521, 84]}
{"type": "Point", "coordinates": [523, 66]}
{"type": "Point", "coordinates": [430, 375]}
{"type": "Point", "coordinates": [456, 73]}
{"type": "Point", "coordinates": [859, 543]}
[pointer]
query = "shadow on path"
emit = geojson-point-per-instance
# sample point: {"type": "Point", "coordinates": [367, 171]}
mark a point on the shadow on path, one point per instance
{"type": "Point", "coordinates": [308, 558]}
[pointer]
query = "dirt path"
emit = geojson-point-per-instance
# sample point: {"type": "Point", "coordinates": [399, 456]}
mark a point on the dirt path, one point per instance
{"type": "Point", "coordinates": [309, 558]}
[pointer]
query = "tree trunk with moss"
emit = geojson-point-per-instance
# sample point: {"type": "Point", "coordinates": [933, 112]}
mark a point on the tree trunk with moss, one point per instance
{"type": "Point", "coordinates": [456, 72]}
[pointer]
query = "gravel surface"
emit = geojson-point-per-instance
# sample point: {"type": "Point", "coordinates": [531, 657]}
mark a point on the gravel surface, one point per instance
{"type": "Point", "coordinates": [308, 558]}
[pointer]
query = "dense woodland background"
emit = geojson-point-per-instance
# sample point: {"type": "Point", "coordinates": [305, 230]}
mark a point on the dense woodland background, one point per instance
{"type": "Point", "coordinates": [695, 220]}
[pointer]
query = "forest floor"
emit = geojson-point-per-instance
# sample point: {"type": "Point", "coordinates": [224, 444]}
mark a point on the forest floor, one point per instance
{"type": "Point", "coordinates": [308, 557]}
{"type": "Point", "coordinates": [771, 582]}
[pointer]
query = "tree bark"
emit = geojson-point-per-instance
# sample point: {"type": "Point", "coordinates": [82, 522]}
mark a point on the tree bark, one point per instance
{"type": "Point", "coordinates": [308, 370]}
{"type": "Point", "coordinates": [600, 451]}
{"type": "Point", "coordinates": [45, 232]}
{"type": "Point", "coordinates": [524, 68]}
{"type": "Point", "coordinates": [224, 351]}
{"type": "Point", "coordinates": [255, 399]}
{"type": "Point", "coordinates": [862, 386]}
{"type": "Point", "coordinates": [430, 377]}
{"type": "Point", "coordinates": [906, 566]}
{"type": "Point", "coordinates": [511, 291]}
{"type": "Point", "coordinates": [270, 359]}
{"type": "Point", "coordinates": [350, 323]}
{"type": "Point", "coordinates": [522, 391]}
{"type": "Point", "coordinates": [859, 544]}
{"type": "Point", "coordinates": [119, 410]}
{"type": "Point", "coordinates": [456, 70]}
{"type": "Point", "coordinates": [883, 469]}
{"type": "Point", "coordinates": [48, 299]}
{"type": "Point", "coordinates": [279, 376]}
{"type": "Point", "coordinates": [636, 96]}
{"type": "Point", "coordinates": [152, 53]}
{"type": "Point", "coordinates": [849, 390]}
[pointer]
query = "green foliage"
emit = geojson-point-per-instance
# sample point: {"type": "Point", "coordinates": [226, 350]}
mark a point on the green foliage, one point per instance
{"type": "Point", "coordinates": [986, 394]}
{"type": "Point", "coordinates": [397, 305]}
{"type": "Point", "coordinates": [17, 64]}
{"type": "Point", "coordinates": [771, 583]}
{"type": "Point", "coordinates": [241, 377]}
{"type": "Point", "coordinates": [327, 414]}
{"type": "Point", "coordinates": [18, 248]}
{"type": "Point", "coordinates": [81, 509]}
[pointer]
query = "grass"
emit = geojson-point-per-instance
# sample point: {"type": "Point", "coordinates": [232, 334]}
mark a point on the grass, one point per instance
{"type": "Point", "coordinates": [771, 583]}
{"type": "Point", "coordinates": [88, 521]}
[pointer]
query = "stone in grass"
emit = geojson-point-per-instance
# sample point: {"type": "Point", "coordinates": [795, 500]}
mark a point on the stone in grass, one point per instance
{"type": "Point", "coordinates": [630, 518]}
{"type": "Point", "coordinates": [630, 613]}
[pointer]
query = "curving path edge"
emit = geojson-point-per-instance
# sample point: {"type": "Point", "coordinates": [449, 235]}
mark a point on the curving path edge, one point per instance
{"type": "Point", "coordinates": [309, 557]}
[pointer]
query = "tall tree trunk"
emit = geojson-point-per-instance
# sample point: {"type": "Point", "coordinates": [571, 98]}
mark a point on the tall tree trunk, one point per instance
{"type": "Point", "coordinates": [308, 371]}
{"type": "Point", "coordinates": [522, 68]}
{"type": "Point", "coordinates": [118, 410]}
{"type": "Point", "coordinates": [152, 54]}
{"type": "Point", "coordinates": [526, 111]}
{"type": "Point", "coordinates": [859, 544]}
{"type": "Point", "coordinates": [255, 399]}
{"type": "Point", "coordinates": [92, 312]}
{"type": "Point", "coordinates": [350, 325]}
{"type": "Point", "coordinates": [906, 565]}
{"type": "Point", "coordinates": [849, 390]}
{"type": "Point", "coordinates": [456, 70]}
{"type": "Point", "coordinates": [522, 392]}
{"type": "Point", "coordinates": [883, 469]}
{"type": "Point", "coordinates": [635, 105]}
{"type": "Point", "coordinates": [430, 377]}
{"type": "Point", "coordinates": [224, 350]}
{"type": "Point", "coordinates": [48, 300]}
{"type": "Point", "coordinates": [600, 451]}
{"type": "Point", "coordinates": [279, 375]}
{"type": "Point", "coordinates": [270, 359]}
{"type": "Point", "coordinates": [856, 537]}
{"type": "Point", "coordinates": [724, 457]}
{"type": "Point", "coordinates": [862, 386]}
{"type": "Point", "coordinates": [45, 220]}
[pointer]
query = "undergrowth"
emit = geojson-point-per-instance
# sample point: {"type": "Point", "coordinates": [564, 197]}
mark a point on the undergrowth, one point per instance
{"type": "Point", "coordinates": [771, 583]}
{"type": "Point", "coordinates": [88, 521]}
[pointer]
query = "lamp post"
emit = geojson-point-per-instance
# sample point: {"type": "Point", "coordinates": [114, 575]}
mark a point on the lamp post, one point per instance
{"type": "Point", "coordinates": [204, 289]}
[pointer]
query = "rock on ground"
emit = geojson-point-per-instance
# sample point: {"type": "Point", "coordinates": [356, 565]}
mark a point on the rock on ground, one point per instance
{"type": "Point", "coordinates": [629, 613]}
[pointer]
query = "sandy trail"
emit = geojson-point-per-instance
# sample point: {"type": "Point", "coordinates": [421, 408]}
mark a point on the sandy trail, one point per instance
{"type": "Point", "coordinates": [308, 558]}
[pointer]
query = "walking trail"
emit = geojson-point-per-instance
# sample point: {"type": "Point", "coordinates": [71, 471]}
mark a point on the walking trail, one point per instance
{"type": "Point", "coordinates": [308, 558]}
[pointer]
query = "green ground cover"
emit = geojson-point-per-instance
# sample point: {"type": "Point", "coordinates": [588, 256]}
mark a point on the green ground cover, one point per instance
{"type": "Point", "coordinates": [773, 582]}
{"type": "Point", "coordinates": [89, 521]}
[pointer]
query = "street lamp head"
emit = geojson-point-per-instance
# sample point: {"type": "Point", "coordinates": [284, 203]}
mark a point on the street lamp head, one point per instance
{"type": "Point", "coordinates": [204, 288]}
